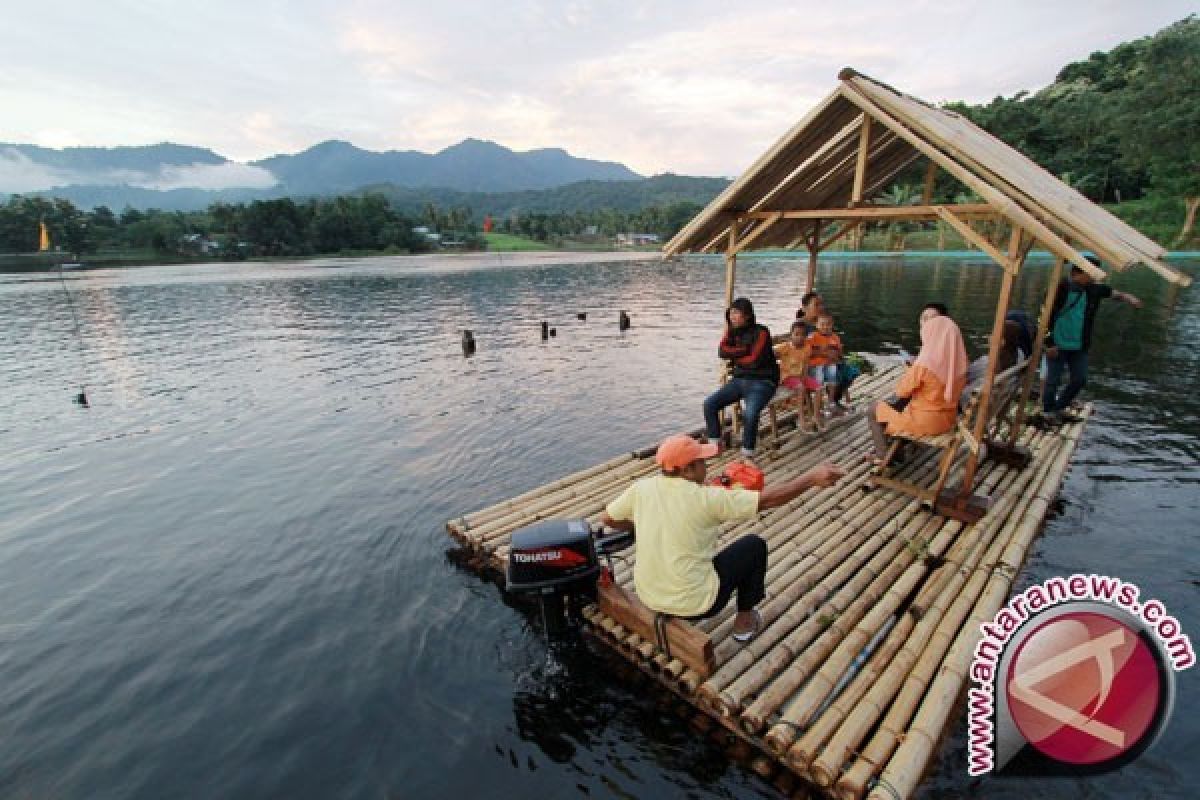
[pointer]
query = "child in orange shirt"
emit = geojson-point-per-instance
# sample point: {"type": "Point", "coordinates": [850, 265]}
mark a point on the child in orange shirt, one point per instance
{"type": "Point", "coordinates": [793, 359]}
{"type": "Point", "coordinates": [824, 349]}
{"type": "Point", "coordinates": [794, 382]}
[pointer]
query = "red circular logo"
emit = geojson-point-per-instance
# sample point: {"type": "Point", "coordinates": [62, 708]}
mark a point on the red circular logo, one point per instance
{"type": "Point", "coordinates": [1084, 688]}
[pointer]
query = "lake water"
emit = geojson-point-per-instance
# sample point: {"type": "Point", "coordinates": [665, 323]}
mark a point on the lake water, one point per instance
{"type": "Point", "coordinates": [229, 577]}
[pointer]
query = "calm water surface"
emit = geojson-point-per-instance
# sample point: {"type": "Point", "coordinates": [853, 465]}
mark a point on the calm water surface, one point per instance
{"type": "Point", "coordinates": [229, 577]}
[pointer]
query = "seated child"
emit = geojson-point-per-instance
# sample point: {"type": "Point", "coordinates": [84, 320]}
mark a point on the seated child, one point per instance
{"type": "Point", "coordinates": [793, 359]}
{"type": "Point", "coordinates": [793, 373]}
{"type": "Point", "coordinates": [824, 352]}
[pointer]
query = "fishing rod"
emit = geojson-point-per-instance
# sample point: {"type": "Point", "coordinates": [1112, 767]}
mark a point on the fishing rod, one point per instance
{"type": "Point", "coordinates": [81, 398]}
{"type": "Point", "coordinates": [44, 245]}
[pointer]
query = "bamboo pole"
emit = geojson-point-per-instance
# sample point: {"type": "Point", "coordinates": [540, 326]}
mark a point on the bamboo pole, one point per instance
{"type": "Point", "coordinates": [1035, 358]}
{"type": "Point", "coordinates": [1002, 203]}
{"type": "Point", "coordinates": [822, 768]}
{"type": "Point", "coordinates": [801, 754]}
{"type": "Point", "coordinates": [908, 764]}
{"type": "Point", "coordinates": [784, 734]}
{"type": "Point", "coordinates": [475, 517]}
{"type": "Point", "coordinates": [731, 261]}
{"type": "Point", "coordinates": [972, 237]}
{"type": "Point", "coordinates": [860, 165]}
{"type": "Point", "coordinates": [868, 584]}
{"type": "Point", "coordinates": [878, 600]}
{"type": "Point", "coordinates": [927, 188]}
{"type": "Point", "coordinates": [814, 242]}
{"type": "Point", "coordinates": [981, 418]}
{"type": "Point", "coordinates": [908, 682]}
{"type": "Point", "coordinates": [1115, 241]}
{"type": "Point", "coordinates": [911, 213]}
{"type": "Point", "coordinates": [763, 226]}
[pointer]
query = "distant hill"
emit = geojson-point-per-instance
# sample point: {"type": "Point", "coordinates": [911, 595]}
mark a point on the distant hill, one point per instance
{"type": "Point", "coordinates": [470, 166]}
{"type": "Point", "coordinates": [660, 190]}
{"type": "Point", "coordinates": [145, 159]}
{"type": "Point", "coordinates": [179, 178]}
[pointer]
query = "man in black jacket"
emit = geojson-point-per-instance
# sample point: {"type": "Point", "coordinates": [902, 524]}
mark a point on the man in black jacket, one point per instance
{"type": "Point", "coordinates": [1069, 336]}
{"type": "Point", "coordinates": [747, 346]}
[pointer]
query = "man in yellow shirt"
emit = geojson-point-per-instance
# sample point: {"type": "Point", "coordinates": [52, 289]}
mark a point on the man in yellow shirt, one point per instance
{"type": "Point", "coordinates": [678, 569]}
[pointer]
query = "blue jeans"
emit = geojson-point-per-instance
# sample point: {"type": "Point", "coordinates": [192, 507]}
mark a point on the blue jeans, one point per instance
{"type": "Point", "coordinates": [756, 394]}
{"type": "Point", "coordinates": [1075, 362]}
{"type": "Point", "coordinates": [827, 375]}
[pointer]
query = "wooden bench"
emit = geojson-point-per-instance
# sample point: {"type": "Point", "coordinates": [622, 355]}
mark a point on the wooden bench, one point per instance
{"type": "Point", "coordinates": [807, 407]}
{"type": "Point", "coordinates": [676, 638]}
{"type": "Point", "coordinates": [1005, 388]}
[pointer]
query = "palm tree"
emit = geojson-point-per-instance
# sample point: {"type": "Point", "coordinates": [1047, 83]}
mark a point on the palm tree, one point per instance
{"type": "Point", "coordinates": [900, 194]}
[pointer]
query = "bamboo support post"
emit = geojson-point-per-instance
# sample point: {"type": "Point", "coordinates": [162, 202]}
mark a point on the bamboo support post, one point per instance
{"type": "Point", "coordinates": [860, 164]}
{"type": "Point", "coordinates": [814, 246]}
{"type": "Point", "coordinates": [1035, 358]}
{"type": "Point", "coordinates": [731, 261]}
{"type": "Point", "coordinates": [1012, 265]}
{"type": "Point", "coordinates": [1001, 202]}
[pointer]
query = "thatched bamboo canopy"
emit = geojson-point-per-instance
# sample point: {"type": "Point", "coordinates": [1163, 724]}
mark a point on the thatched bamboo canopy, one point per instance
{"type": "Point", "coordinates": [853, 145]}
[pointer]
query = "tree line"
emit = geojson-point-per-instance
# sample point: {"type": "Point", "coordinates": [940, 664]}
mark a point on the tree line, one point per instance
{"type": "Point", "coordinates": [280, 227]}
{"type": "Point", "coordinates": [286, 227]}
{"type": "Point", "coordinates": [1120, 126]}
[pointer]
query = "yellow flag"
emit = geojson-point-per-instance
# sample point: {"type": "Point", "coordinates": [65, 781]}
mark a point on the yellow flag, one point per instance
{"type": "Point", "coordinates": [44, 238]}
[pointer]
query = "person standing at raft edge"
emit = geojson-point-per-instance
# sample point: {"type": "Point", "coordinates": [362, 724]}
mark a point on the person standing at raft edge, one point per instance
{"type": "Point", "coordinates": [1069, 335]}
{"type": "Point", "coordinates": [674, 518]}
{"type": "Point", "coordinates": [747, 347]}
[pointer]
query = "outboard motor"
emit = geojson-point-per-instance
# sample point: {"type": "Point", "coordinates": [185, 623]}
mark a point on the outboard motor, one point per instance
{"type": "Point", "coordinates": [559, 561]}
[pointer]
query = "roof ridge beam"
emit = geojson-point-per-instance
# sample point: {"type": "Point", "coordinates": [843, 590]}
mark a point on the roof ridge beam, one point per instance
{"type": "Point", "coordinates": [1004, 204]}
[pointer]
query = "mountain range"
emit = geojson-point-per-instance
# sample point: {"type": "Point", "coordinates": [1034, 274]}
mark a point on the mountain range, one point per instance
{"type": "Point", "coordinates": [178, 177]}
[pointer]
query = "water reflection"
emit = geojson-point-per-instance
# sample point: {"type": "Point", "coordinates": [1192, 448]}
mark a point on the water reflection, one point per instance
{"type": "Point", "coordinates": [227, 577]}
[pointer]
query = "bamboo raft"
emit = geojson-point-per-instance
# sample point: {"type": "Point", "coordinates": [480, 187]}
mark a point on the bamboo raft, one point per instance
{"type": "Point", "coordinates": [872, 612]}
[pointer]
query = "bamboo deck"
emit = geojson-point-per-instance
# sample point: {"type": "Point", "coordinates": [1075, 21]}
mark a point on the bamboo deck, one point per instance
{"type": "Point", "coordinates": [872, 610]}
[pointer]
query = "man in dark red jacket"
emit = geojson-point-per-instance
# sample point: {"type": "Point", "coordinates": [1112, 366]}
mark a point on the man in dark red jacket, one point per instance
{"type": "Point", "coordinates": [747, 347]}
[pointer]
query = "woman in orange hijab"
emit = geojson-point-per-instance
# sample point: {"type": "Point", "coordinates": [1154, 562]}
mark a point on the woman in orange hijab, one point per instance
{"type": "Point", "coordinates": [932, 386]}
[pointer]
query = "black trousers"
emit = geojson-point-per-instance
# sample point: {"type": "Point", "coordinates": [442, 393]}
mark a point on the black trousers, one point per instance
{"type": "Point", "coordinates": [742, 568]}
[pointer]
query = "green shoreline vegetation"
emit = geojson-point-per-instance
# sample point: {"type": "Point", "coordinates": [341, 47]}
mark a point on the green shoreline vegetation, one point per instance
{"type": "Point", "coordinates": [1119, 127]}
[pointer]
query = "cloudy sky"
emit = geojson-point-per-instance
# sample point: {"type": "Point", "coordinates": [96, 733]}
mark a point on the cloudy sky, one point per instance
{"type": "Point", "coordinates": [695, 87]}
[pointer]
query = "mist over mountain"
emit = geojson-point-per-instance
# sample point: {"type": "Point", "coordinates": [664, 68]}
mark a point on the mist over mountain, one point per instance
{"type": "Point", "coordinates": [178, 177]}
{"type": "Point", "coordinates": [28, 168]}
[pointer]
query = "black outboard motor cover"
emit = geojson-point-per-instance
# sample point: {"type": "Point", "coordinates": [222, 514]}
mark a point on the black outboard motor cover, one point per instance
{"type": "Point", "coordinates": [550, 554]}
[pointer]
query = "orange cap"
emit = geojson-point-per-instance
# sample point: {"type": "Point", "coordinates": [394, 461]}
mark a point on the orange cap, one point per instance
{"type": "Point", "coordinates": [680, 450]}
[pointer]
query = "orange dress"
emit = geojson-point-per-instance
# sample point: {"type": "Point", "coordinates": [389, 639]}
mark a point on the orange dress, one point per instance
{"type": "Point", "coordinates": [928, 412]}
{"type": "Point", "coordinates": [793, 361]}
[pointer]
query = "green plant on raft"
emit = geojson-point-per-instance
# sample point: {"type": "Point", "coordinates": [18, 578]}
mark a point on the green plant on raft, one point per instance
{"type": "Point", "coordinates": [861, 363]}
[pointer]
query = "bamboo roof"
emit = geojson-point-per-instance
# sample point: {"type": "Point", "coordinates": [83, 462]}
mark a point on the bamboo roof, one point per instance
{"type": "Point", "coordinates": [855, 142]}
